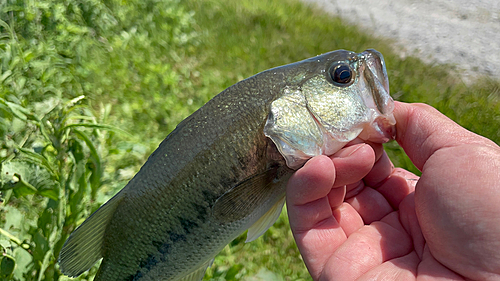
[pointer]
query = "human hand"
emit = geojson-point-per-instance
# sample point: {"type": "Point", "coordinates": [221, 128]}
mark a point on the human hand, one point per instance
{"type": "Point", "coordinates": [356, 217]}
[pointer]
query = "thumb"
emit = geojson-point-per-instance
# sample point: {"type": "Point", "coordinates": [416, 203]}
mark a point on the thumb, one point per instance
{"type": "Point", "coordinates": [421, 130]}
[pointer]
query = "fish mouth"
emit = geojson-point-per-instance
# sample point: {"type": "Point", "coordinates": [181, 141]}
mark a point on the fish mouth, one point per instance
{"type": "Point", "coordinates": [383, 128]}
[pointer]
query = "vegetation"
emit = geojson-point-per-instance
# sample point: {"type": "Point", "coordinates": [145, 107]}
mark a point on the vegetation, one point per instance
{"type": "Point", "coordinates": [75, 75]}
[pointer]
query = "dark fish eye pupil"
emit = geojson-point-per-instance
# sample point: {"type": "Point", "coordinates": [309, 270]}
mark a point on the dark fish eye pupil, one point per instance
{"type": "Point", "coordinates": [342, 74]}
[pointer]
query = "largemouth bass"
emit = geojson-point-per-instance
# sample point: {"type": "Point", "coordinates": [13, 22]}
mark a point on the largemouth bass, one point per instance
{"type": "Point", "coordinates": [224, 169]}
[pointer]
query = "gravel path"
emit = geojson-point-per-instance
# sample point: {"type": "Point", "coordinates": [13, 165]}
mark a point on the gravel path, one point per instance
{"type": "Point", "coordinates": [465, 33]}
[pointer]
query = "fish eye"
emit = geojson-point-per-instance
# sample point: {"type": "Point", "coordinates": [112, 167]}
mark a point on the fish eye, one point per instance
{"type": "Point", "coordinates": [341, 74]}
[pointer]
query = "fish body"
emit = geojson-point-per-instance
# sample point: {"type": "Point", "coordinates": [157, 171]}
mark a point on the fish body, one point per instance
{"type": "Point", "coordinates": [224, 169]}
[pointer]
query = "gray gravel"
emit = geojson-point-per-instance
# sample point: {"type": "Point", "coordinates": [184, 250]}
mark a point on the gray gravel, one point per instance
{"type": "Point", "coordinates": [465, 33]}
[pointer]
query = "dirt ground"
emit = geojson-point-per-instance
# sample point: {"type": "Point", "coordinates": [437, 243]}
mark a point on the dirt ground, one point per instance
{"type": "Point", "coordinates": [464, 33]}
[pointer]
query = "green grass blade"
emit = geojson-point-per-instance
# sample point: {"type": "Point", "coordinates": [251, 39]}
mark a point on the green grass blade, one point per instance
{"type": "Point", "coordinates": [98, 126]}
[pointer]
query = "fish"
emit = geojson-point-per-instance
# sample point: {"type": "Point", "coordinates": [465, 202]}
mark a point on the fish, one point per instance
{"type": "Point", "coordinates": [223, 170]}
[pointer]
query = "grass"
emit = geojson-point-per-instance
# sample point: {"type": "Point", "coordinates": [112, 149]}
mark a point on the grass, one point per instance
{"type": "Point", "coordinates": [143, 66]}
{"type": "Point", "coordinates": [246, 37]}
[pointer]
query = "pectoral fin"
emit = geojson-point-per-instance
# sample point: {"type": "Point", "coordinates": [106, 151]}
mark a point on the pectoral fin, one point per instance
{"type": "Point", "coordinates": [266, 221]}
{"type": "Point", "coordinates": [253, 196]}
{"type": "Point", "coordinates": [198, 274]}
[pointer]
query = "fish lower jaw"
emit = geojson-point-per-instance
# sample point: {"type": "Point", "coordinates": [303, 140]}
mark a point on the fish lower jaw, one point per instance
{"type": "Point", "coordinates": [296, 156]}
{"type": "Point", "coordinates": [382, 130]}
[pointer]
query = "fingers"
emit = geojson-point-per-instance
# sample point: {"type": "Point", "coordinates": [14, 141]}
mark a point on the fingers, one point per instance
{"type": "Point", "coordinates": [421, 130]}
{"type": "Point", "coordinates": [370, 205]}
{"type": "Point", "coordinates": [381, 190]}
{"type": "Point", "coordinates": [353, 163]}
{"type": "Point", "coordinates": [316, 231]}
{"type": "Point", "coordinates": [320, 174]}
{"type": "Point", "coordinates": [409, 221]}
{"type": "Point", "coordinates": [348, 218]}
{"type": "Point", "coordinates": [381, 170]}
{"type": "Point", "coordinates": [366, 249]}
{"type": "Point", "coordinates": [403, 268]}
{"type": "Point", "coordinates": [311, 182]}
{"type": "Point", "coordinates": [396, 186]}
{"type": "Point", "coordinates": [336, 197]}
{"type": "Point", "coordinates": [310, 191]}
{"type": "Point", "coordinates": [314, 191]}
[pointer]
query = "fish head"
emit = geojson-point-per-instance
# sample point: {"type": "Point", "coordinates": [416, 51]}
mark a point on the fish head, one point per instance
{"type": "Point", "coordinates": [328, 101]}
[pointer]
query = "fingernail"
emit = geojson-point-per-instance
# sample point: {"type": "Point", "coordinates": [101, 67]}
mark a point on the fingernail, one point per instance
{"type": "Point", "coordinates": [348, 151]}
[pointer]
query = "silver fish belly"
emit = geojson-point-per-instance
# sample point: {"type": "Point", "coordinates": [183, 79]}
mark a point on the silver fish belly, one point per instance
{"type": "Point", "coordinates": [224, 169]}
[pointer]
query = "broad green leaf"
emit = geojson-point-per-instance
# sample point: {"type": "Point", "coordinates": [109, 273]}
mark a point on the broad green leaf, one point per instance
{"type": "Point", "coordinates": [50, 193]}
{"type": "Point", "coordinates": [38, 159]}
{"type": "Point", "coordinates": [41, 246]}
{"type": "Point", "coordinates": [23, 263]}
{"type": "Point", "coordinates": [13, 223]}
{"type": "Point", "coordinates": [26, 178]}
{"type": "Point", "coordinates": [5, 75]}
{"type": "Point", "coordinates": [18, 111]}
{"type": "Point", "coordinates": [7, 265]}
{"type": "Point", "coordinates": [22, 188]}
{"type": "Point", "coordinates": [96, 159]}
{"type": "Point", "coordinates": [232, 271]}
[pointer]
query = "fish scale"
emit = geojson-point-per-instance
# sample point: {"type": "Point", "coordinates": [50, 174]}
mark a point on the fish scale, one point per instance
{"type": "Point", "coordinates": [223, 170]}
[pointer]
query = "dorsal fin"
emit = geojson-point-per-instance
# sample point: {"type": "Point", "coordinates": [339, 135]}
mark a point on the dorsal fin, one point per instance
{"type": "Point", "coordinates": [84, 246]}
